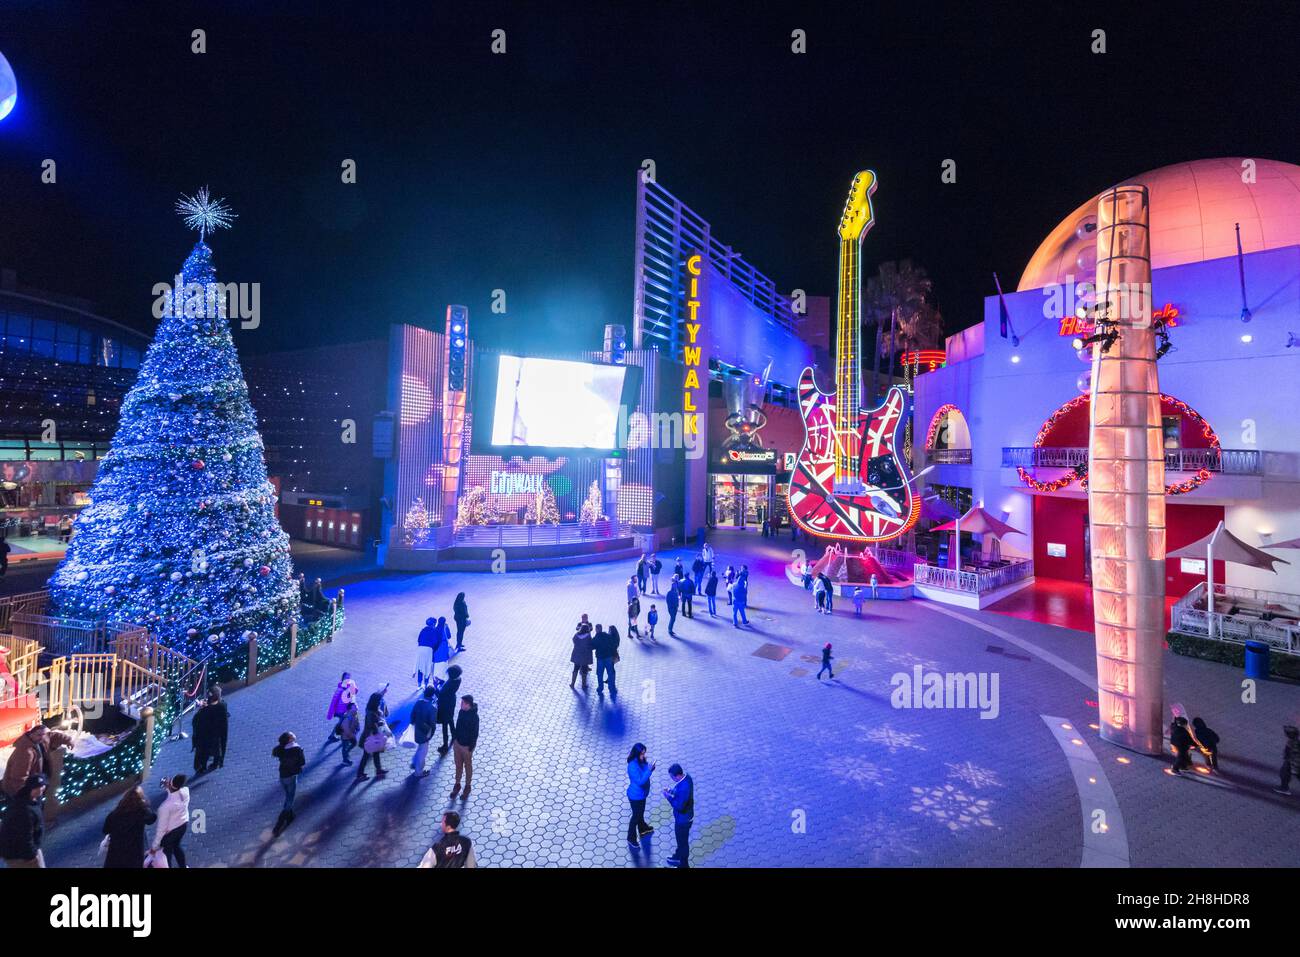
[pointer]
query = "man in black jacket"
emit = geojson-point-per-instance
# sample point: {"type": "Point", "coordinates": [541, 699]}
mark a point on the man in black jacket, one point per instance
{"type": "Point", "coordinates": [424, 722]}
{"type": "Point", "coordinates": [453, 848]}
{"type": "Point", "coordinates": [605, 645]}
{"type": "Point", "coordinates": [447, 705]}
{"type": "Point", "coordinates": [211, 729]}
{"type": "Point", "coordinates": [23, 829]}
{"type": "Point", "coordinates": [464, 741]}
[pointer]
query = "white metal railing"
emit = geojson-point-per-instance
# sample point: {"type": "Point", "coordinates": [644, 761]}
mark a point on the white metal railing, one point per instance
{"type": "Point", "coordinates": [1226, 461]}
{"type": "Point", "coordinates": [975, 582]}
{"type": "Point", "coordinates": [517, 535]}
{"type": "Point", "coordinates": [948, 456]}
{"type": "Point", "coordinates": [896, 558]}
{"type": "Point", "coordinates": [1221, 625]}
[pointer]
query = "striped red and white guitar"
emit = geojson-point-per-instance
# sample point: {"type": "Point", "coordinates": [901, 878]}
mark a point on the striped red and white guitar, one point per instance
{"type": "Point", "coordinates": [850, 481]}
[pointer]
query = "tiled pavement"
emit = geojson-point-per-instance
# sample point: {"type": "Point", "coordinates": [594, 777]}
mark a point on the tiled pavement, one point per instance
{"type": "Point", "coordinates": [789, 771]}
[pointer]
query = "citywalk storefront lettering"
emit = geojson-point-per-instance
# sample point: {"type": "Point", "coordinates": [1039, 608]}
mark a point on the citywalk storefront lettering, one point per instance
{"type": "Point", "coordinates": [516, 483]}
{"type": "Point", "coordinates": [692, 392]}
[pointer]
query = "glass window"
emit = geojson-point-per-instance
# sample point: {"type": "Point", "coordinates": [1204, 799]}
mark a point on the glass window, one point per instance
{"type": "Point", "coordinates": [43, 347]}
{"type": "Point", "coordinates": [130, 358]}
{"type": "Point", "coordinates": [20, 325]}
{"type": "Point", "coordinates": [67, 332]}
{"type": "Point", "coordinates": [42, 329]}
{"type": "Point", "coordinates": [83, 354]}
{"type": "Point", "coordinates": [65, 351]}
{"type": "Point", "coordinates": [85, 338]}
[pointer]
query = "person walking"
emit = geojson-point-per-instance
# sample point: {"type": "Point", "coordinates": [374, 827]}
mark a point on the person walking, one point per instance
{"type": "Point", "coordinates": [426, 642]}
{"type": "Point", "coordinates": [697, 570]}
{"type": "Point", "coordinates": [739, 601]}
{"type": "Point", "coordinates": [452, 848]}
{"type": "Point", "coordinates": [424, 722]}
{"type": "Point", "coordinates": [729, 576]}
{"type": "Point", "coordinates": [441, 650]}
{"type": "Point", "coordinates": [819, 595]}
{"type": "Point", "coordinates": [875, 587]}
{"type": "Point", "coordinates": [210, 733]}
{"type": "Point", "coordinates": [706, 552]}
{"type": "Point", "coordinates": [642, 573]}
{"type": "Point", "coordinates": [173, 821]}
{"type": "Point", "coordinates": [125, 830]}
{"type": "Point", "coordinates": [652, 619]}
{"type": "Point", "coordinates": [447, 693]}
{"type": "Point", "coordinates": [711, 592]}
{"type": "Point", "coordinates": [682, 798]}
{"type": "Point", "coordinates": [633, 617]}
{"type": "Point", "coordinates": [826, 662]}
{"type": "Point", "coordinates": [830, 592]}
{"type": "Point", "coordinates": [807, 577]}
{"type": "Point", "coordinates": [631, 587]}
{"type": "Point", "coordinates": [349, 729]}
{"type": "Point", "coordinates": [672, 599]}
{"type": "Point", "coordinates": [37, 751]}
{"type": "Point", "coordinates": [1207, 741]}
{"type": "Point", "coordinates": [678, 570]}
{"type": "Point", "coordinates": [859, 597]}
{"type": "Point", "coordinates": [460, 615]}
{"type": "Point", "coordinates": [581, 654]}
{"type": "Point", "coordinates": [1290, 758]}
{"type": "Point", "coordinates": [604, 644]}
{"type": "Point", "coordinates": [656, 566]}
{"type": "Point", "coordinates": [639, 770]}
{"type": "Point", "coordinates": [1181, 741]}
{"type": "Point", "coordinates": [687, 587]}
{"type": "Point", "coordinates": [374, 735]}
{"type": "Point", "coordinates": [345, 693]}
{"type": "Point", "coordinates": [292, 760]}
{"type": "Point", "coordinates": [22, 829]}
{"type": "Point", "coordinates": [466, 739]}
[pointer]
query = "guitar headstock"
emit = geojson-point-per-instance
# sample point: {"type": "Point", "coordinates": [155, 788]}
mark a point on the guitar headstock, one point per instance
{"type": "Point", "coordinates": [858, 217]}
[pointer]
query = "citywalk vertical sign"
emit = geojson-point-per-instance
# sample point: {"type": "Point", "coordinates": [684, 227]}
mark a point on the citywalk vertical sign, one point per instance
{"type": "Point", "coordinates": [695, 395]}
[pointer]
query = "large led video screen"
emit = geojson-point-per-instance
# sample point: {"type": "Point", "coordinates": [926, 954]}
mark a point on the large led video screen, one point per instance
{"type": "Point", "coordinates": [528, 403]}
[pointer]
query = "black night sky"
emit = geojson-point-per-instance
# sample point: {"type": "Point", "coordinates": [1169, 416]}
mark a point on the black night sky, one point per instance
{"type": "Point", "coordinates": [479, 171]}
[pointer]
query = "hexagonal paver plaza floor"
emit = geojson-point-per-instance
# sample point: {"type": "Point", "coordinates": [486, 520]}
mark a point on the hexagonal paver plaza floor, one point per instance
{"type": "Point", "coordinates": [789, 771]}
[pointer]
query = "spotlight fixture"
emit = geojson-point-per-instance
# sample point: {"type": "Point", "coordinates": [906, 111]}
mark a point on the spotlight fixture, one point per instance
{"type": "Point", "coordinates": [1248, 338]}
{"type": "Point", "coordinates": [1245, 314]}
{"type": "Point", "coordinates": [1164, 348]}
{"type": "Point", "coordinates": [1077, 342]}
{"type": "Point", "coordinates": [1107, 336]}
{"type": "Point", "coordinates": [1015, 358]}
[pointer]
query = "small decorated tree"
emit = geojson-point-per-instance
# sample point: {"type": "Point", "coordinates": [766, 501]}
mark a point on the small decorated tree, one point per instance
{"type": "Point", "coordinates": [543, 510]}
{"type": "Point", "coordinates": [416, 525]}
{"type": "Point", "coordinates": [593, 508]}
{"type": "Point", "coordinates": [474, 508]}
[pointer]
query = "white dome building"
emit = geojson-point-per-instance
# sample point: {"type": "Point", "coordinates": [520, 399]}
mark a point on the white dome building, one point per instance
{"type": "Point", "coordinates": [1194, 207]}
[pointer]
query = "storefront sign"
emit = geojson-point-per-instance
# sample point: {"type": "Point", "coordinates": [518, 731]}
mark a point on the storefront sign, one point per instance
{"type": "Point", "coordinates": [741, 462]}
{"type": "Point", "coordinates": [516, 483]}
{"type": "Point", "coordinates": [1072, 325]}
{"type": "Point", "coordinates": [693, 395]}
{"type": "Point", "coordinates": [1055, 550]}
{"type": "Point", "coordinates": [1192, 566]}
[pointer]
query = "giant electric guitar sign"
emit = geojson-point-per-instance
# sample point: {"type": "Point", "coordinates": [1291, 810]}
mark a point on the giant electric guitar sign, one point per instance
{"type": "Point", "coordinates": [849, 480]}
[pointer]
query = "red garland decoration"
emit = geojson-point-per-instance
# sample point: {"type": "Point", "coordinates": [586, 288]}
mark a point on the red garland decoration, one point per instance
{"type": "Point", "coordinates": [1081, 472]}
{"type": "Point", "coordinates": [934, 424]}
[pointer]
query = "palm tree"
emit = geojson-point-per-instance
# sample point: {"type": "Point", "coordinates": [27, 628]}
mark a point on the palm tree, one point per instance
{"type": "Point", "coordinates": [922, 329]}
{"type": "Point", "coordinates": [897, 292]}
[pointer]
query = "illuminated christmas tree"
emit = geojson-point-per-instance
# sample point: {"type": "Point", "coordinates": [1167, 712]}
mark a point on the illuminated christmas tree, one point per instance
{"type": "Point", "coordinates": [474, 508]}
{"type": "Point", "coordinates": [181, 534]}
{"type": "Point", "coordinates": [542, 509]}
{"type": "Point", "coordinates": [417, 524]}
{"type": "Point", "coordinates": [593, 508]}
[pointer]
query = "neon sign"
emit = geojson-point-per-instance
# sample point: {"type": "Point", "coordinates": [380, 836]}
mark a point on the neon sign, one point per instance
{"type": "Point", "coordinates": [692, 350]}
{"type": "Point", "coordinates": [1076, 326]}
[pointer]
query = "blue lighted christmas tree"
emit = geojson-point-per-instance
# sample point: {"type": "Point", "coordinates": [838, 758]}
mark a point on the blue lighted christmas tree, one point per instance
{"type": "Point", "coordinates": [181, 534]}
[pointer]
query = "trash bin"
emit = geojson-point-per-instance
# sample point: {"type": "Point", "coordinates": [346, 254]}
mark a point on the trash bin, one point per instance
{"type": "Point", "coordinates": [1256, 659]}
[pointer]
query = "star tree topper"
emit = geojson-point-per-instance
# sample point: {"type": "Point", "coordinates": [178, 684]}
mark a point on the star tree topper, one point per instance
{"type": "Point", "coordinates": [203, 213]}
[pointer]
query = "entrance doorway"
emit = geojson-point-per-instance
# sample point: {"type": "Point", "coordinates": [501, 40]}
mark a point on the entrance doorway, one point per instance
{"type": "Point", "coordinates": [740, 501]}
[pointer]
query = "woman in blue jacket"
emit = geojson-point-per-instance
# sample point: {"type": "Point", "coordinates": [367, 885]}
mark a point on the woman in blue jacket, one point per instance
{"type": "Point", "coordinates": [639, 770]}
